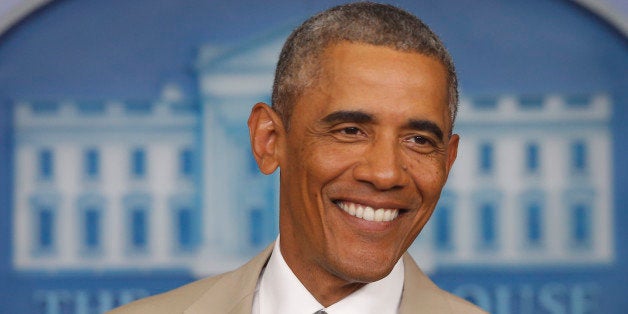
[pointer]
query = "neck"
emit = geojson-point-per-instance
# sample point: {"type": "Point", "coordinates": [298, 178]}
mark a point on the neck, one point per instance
{"type": "Point", "coordinates": [326, 287]}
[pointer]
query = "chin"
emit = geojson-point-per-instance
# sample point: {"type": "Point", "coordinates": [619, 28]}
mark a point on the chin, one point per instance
{"type": "Point", "coordinates": [365, 270]}
{"type": "Point", "coordinates": [366, 275]}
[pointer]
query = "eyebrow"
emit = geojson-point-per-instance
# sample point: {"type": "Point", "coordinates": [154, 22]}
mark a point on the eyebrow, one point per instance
{"type": "Point", "coordinates": [348, 116]}
{"type": "Point", "coordinates": [363, 117]}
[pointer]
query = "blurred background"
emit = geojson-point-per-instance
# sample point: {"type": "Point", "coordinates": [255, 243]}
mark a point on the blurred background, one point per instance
{"type": "Point", "coordinates": [125, 169]}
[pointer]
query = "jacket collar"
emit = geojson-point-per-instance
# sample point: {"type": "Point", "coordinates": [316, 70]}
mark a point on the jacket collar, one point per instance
{"type": "Point", "coordinates": [233, 292]}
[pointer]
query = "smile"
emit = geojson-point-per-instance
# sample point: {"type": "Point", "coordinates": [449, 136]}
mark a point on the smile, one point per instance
{"type": "Point", "coordinates": [368, 213]}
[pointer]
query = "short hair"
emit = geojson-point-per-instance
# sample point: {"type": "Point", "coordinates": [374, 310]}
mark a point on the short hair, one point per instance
{"type": "Point", "coordinates": [361, 22]}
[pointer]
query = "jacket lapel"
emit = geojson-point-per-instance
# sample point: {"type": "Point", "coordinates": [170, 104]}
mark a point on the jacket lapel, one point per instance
{"type": "Point", "coordinates": [420, 294]}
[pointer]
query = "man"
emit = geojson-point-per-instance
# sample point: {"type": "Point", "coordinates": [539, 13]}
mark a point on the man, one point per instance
{"type": "Point", "coordinates": [364, 102]}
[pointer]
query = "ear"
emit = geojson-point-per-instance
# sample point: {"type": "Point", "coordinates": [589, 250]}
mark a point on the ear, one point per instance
{"type": "Point", "coordinates": [452, 151]}
{"type": "Point", "coordinates": [265, 128]}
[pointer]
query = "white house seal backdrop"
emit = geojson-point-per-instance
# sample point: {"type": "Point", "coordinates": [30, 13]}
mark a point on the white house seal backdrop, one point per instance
{"type": "Point", "coordinates": [126, 167]}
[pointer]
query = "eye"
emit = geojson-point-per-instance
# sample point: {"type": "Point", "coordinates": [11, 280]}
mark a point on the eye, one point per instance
{"type": "Point", "coordinates": [350, 130]}
{"type": "Point", "coordinates": [420, 140]}
{"type": "Point", "coordinates": [349, 133]}
{"type": "Point", "coordinates": [421, 144]}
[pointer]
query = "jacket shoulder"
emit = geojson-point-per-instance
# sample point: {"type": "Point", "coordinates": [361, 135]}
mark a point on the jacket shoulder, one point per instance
{"type": "Point", "coordinates": [224, 293]}
{"type": "Point", "coordinates": [460, 305]}
{"type": "Point", "coordinates": [173, 301]}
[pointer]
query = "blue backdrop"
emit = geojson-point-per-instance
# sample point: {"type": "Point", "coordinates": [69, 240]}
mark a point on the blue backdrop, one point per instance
{"type": "Point", "coordinates": [124, 158]}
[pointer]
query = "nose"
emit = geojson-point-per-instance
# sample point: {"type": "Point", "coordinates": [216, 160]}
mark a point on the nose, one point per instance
{"type": "Point", "coordinates": [382, 166]}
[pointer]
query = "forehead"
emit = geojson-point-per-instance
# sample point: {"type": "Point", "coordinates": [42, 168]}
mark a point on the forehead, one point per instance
{"type": "Point", "coordinates": [347, 58]}
{"type": "Point", "coordinates": [356, 74]}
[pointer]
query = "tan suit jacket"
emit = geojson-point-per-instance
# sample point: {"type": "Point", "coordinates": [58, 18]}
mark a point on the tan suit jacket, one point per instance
{"type": "Point", "coordinates": [233, 293]}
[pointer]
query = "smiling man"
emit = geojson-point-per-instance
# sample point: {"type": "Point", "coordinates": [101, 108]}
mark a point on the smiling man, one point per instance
{"type": "Point", "coordinates": [360, 128]}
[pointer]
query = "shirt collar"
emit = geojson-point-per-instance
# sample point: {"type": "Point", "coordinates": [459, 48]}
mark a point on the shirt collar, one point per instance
{"type": "Point", "coordinates": [280, 291]}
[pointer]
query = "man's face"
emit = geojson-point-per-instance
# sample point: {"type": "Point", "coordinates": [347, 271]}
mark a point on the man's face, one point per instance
{"type": "Point", "coordinates": [364, 161]}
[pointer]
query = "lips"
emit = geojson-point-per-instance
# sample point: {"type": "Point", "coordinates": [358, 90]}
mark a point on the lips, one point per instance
{"type": "Point", "coordinates": [368, 213]}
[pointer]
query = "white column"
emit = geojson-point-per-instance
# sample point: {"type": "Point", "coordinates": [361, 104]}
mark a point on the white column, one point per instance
{"type": "Point", "coordinates": [162, 169]}
{"type": "Point", "coordinates": [24, 224]}
{"type": "Point", "coordinates": [115, 173]}
{"type": "Point", "coordinates": [67, 165]}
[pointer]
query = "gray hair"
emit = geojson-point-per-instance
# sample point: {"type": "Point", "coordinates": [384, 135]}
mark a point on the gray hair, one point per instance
{"type": "Point", "coordinates": [362, 22]}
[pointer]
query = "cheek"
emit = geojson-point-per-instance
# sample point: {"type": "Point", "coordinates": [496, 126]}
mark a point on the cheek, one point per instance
{"type": "Point", "coordinates": [311, 169]}
{"type": "Point", "coordinates": [429, 175]}
{"type": "Point", "coordinates": [327, 162]}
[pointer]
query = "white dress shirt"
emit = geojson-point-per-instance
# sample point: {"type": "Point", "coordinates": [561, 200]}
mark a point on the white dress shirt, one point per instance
{"type": "Point", "coordinates": [279, 291]}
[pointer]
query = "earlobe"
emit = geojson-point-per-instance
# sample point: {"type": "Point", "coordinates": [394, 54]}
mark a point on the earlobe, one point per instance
{"type": "Point", "coordinates": [264, 130]}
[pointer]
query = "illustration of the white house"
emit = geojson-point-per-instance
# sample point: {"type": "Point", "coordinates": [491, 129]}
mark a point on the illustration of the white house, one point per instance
{"type": "Point", "coordinates": [169, 184]}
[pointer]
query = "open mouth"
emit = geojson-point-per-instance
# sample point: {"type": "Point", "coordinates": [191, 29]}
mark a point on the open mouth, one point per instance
{"type": "Point", "coordinates": [368, 213]}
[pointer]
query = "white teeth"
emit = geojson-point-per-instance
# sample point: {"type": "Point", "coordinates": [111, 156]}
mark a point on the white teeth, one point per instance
{"type": "Point", "coordinates": [359, 211]}
{"type": "Point", "coordinates": [352, 209]}
{"type": "Point", "coordinates": [387, 215]}
{"type": "Point", "coordinates": [379, 215]}
{"type": "Point", "coordinates": [368, 213]}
